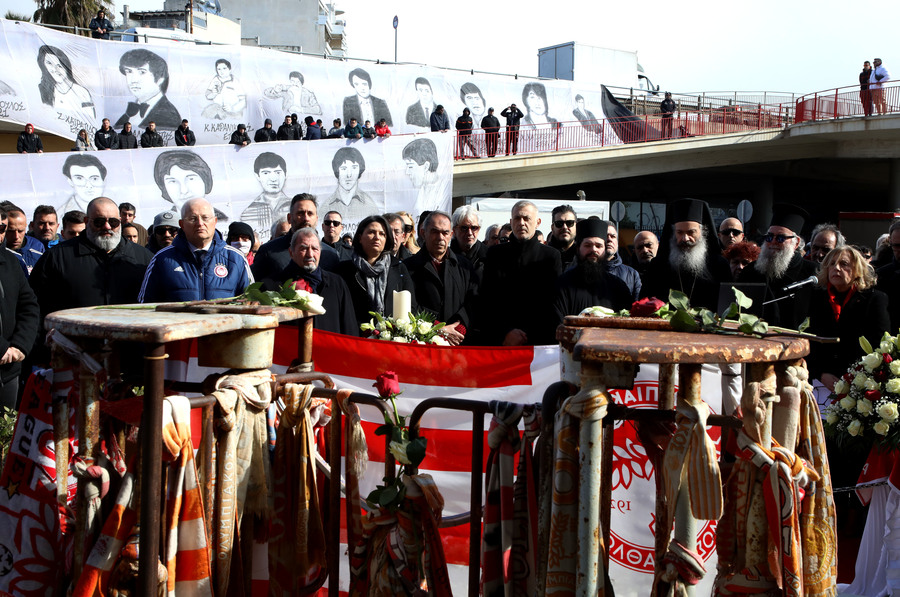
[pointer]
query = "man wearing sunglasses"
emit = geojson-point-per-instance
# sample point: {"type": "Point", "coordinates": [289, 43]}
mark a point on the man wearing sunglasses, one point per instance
{"type": "Point", "coordinates": [781, 264]}
{"type": "Point", "coordinates": [466, 226]}
{"type": "Point", "coordinates": [332, 229]}
{"type": "Point", "coordinates": [98, 267]}
{"type": "Point", "coordinates": [731, 232]}
{"type": "Point", "coordinates": [562, 232]}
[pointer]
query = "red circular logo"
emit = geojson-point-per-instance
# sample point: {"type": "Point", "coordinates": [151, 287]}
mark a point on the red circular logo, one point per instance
{"type": "Point", "coordinates": [633, 516]}
{"type": "Point", "coordinates": [221, 270]}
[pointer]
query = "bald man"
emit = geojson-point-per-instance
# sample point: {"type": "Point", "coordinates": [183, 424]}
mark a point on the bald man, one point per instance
{"type": "Point", "coordinates": [98, 267]}
{"type": "Point", "coordinates": [198, 265]}
{"type": "Point", "coordinates": [731, 232]}
{"type": "Point", "coordinates": [645, 247]}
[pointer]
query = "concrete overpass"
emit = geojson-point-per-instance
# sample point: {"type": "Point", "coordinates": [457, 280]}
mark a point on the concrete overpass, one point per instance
{"type": "Point", "coordinates": [850, 164]}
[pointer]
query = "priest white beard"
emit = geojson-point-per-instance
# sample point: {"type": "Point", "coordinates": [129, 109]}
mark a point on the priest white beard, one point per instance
{"type": "Point", "coordinates": [689, 258]}
{"type": "Point", "coordinates": [773, 262]}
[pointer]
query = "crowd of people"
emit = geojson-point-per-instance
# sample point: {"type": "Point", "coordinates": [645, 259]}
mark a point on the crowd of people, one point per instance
{"type": "Point", "coordinates": [509, 289]}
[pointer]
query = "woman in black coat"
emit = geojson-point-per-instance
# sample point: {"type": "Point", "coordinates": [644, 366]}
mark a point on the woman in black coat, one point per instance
{"type": "Point", "coordinates": [372, 273]}
{"type": "Point", "coordinates": [844, 305]}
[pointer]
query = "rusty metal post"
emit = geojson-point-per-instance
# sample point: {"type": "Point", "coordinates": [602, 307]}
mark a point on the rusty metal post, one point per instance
{"type": "Point", "coordinates": [663, 524]}
{"type": "Point", "coordinates": [61, 427]}
{"type": "Point", "coordinates": [151, 465]}
{"type": "Point", "coordinates": [88, 447]}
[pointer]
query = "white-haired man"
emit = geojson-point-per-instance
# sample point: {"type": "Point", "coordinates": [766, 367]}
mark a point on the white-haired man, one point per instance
{"type": "Point", "coordinates": [466, 222]}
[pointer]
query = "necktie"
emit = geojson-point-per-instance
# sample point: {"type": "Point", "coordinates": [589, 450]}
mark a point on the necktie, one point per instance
{"type": "Point", "coordinates": [200, 255]}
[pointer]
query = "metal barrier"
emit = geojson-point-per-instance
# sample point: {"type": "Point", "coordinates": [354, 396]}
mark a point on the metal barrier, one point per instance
{"type": "Point", "coordinates": [844, 102]}
{"type": "Point", "coordinates": [584, 134]}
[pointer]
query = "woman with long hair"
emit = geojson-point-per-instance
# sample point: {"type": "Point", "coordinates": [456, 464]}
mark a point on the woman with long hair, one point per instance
{"type": "Point", "coordinates": [409, 228]}
{"type": "Point", "coordinates": [58, 86]}
{"type": "Point", "coordinates": [373, 273]}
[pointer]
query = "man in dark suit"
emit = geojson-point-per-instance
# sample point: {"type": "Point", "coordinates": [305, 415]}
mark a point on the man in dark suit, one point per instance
{"type": "Point", "coordinates": [419, 113]}
{"type": "Point", "coordinates": [363, 106]}
{"type": "Point", "coordinates": [147, 77]}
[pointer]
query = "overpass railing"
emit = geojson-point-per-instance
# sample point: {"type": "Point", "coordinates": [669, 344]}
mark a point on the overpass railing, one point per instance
{"type": "Point", "coordinates": [844, 102]}
{"type": "Point", "coordinates": [584, 134]}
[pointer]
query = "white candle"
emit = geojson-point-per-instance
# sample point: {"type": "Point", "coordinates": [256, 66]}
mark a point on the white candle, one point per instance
{"type": "Point", "coordinates": [402, 304]}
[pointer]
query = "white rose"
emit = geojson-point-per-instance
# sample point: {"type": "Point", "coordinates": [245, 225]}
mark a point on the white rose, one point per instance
{"type": "Point", "coordinates": [871, 361]}
{"type": "Point", "coordinates": [385, 336]}
{"type": "Point", "coordinates": [860, 380]}
{"type": "Point", "coordinates": [886, 346]}
{"type": "Point", "coordinates": [424, 327]}
{"type": "Point", "coordinates": [881, 428]}
{"type": "Point", "coordinates": [399, 339]}
{"type": "Point", "coordinates": [440, 341]}
{"type": "Point", "coordinates": [848, 403]}
{"type": "Point", "coordinates": [895, 367]}
{"type": "Point", "coordinates": [871, 384]}
{"type": "Point", "coordinates": [398, 450]}
{"type": "Point", "coordinates": [855, 427]}
{"type": "Point", "coordinates": [864, 407]}
{"type": "Point", "coordinates": [381, 326]}
{"type": "Point", "coordinates": [893, 385]}
{"type": "Point", "coordinates": [841, 387]}
{"type": "Point", "coordinates": [888, 412]}
{"type": "Point", "coordinates": [831, 418]}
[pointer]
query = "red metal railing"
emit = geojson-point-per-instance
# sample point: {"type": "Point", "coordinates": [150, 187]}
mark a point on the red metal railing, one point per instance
{"type": "Point", "coordinates": [846, 102]}
{"type": "Point", "coordinates": [560, 136]}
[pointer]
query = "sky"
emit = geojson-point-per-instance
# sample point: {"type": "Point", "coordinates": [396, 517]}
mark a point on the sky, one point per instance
{"type": "Point", "coordinates": [710, 45]}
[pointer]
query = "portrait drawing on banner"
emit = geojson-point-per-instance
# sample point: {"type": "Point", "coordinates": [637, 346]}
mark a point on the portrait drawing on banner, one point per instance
{"type": "Point", "coordinates": [421, 160]}
{"type": "Point", "coordinates": [471, 96]}
{"type": "Point", "coordinates": [58, 86]}
{"type": "Point", "coordinates": [295, 97]}
{"type": "Point", "coordinates": [272, 203]}
{"type": "Point", "coordinates": [229, 100]}
{"type": "Point", "coordinates": [354, 204]}
{"type": "Point", "coordinates": [584, 116]}
{"type": "Point", "coordinates": [419, 113]}
{"type": "Point", "coordinates": [147, 78]}
{"type": "Point", "coordinates": [363, 105]}
{"type": "Point", "coordinates": [182, 175]}
{"type": "Point", "coordinates": [87, 176]}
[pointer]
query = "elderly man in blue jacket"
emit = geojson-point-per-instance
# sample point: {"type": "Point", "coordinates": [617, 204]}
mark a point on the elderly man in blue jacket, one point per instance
{"type": "Point", "coordinates": [198, 265]}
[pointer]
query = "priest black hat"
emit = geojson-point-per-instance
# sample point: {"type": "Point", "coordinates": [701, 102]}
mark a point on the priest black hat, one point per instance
{"type": "Point", "coordinates": [688, 210]}
{"type": "Point", "coordinates": [590, 228]}
{"type": "Point", "coordinates": [789, 216]}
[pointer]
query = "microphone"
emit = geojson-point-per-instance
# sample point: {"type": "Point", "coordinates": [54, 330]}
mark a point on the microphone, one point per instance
{"type": "Point", "coordinates": [804, 282]}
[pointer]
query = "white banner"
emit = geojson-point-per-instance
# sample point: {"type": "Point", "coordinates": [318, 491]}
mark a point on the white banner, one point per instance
{"type": "Point", "coordinates": [251, 184]}
{"type": "Point", "coordinates": [62, 83]}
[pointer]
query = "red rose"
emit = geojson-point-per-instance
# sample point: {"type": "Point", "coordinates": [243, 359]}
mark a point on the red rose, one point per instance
{"type": "Point", "coordinates": [387, 383]}
{"type": "Point", "coordinates": [646, 307]}
{"type": "Point", "coordinates": [873, 395]}
{"type": "Point", "coordinates": [887, 358]}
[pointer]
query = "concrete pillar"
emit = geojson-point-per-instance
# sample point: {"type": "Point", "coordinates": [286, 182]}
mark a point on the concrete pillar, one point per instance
{"type": "Point", "coordinates": [763, 197]}
{"type": "Point", "coordinates": [892, 202]}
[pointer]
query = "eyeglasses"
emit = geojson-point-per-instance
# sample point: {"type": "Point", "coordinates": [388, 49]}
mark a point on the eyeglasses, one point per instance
{"type": "Point", "coordinates": [731, 232]}
{"type": "Point", "coordinates": [164, 230]}
{"type": "Point", "coordinates": [407, 228]}
{"type": "Point", "coordinates": [195, 219]}
{"type": "Point", "coordinates": [469, 228]}
{"type": "Point", "coordinates": [334, 223]}
{"type": "Point", "coordinates": [503, 239]}
{"type": "Point", "coordinates": [101, 222]}
{"type": "Point", "coordinates": [2, 228]}
{"type": "Point", "coordinates": [566, 223]}
{"type": "Point", "coordinates": [779, 238]}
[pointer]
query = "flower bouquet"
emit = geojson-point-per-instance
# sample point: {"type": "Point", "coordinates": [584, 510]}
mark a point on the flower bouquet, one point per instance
{"type": "Point", "coordinates": [865, 399]}
{"type": "Point", "coordinates": [418, 329]}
